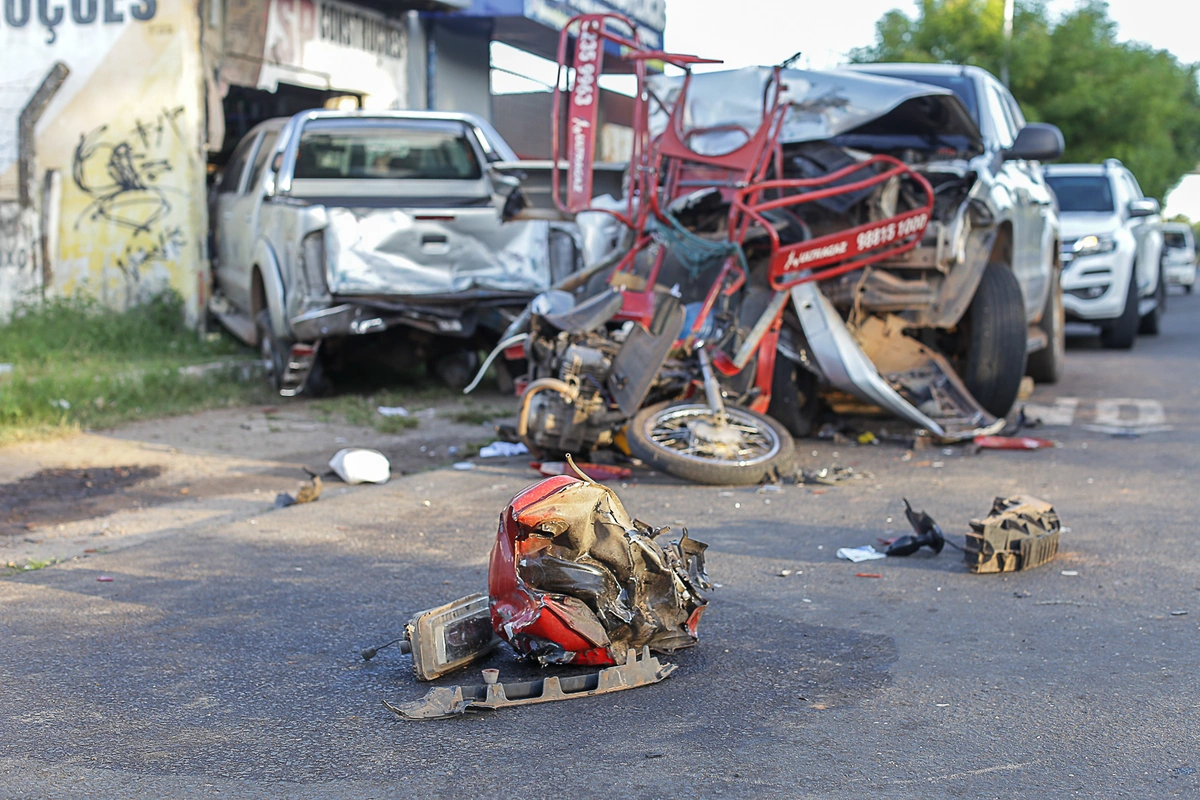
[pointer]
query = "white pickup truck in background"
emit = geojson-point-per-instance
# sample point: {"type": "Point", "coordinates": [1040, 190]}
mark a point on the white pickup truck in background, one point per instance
{"type": "Point", "coordinates": [332, 225]}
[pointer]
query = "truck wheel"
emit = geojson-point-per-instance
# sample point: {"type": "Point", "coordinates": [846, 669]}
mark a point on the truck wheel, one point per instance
{"type": "Point", "coordinates": [1150, 324]}
{"type": "Point", "coordinates": [1046, 365]}
{"type": "Point", "coordinates": [994, 361]}
{"type": "Point", "coordinates": [686, 441]}
{"type": "Point", "coordinates": [794, 400]}
{"type": "Point", "coordinates": [1121, 333]}
{"type": "Point", "coordinates": [275, 352]}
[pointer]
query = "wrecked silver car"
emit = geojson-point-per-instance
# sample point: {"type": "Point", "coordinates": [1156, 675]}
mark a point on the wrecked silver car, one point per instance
{"type": "Point", "coordinates": [940, 334]}
{"type": "Point", "coordinates": [333, 225]}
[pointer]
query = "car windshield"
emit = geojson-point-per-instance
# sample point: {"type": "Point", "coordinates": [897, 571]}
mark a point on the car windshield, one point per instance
{"type": "Point", "coordinates": [961, 85]}
{"type": "Point", "coordinates": [1082, 192]}
{"type": "Point", "coordinates": [1175, 239]}
{"type": "Point", "coordinates": [401, 150]}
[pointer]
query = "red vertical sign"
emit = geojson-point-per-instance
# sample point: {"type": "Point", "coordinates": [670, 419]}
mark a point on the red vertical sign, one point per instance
{"type": "Point", "coordinates": [584, 112]}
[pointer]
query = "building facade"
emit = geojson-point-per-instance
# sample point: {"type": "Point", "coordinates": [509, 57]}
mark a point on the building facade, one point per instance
{"type": "Point", "coordinates": [115, 114]}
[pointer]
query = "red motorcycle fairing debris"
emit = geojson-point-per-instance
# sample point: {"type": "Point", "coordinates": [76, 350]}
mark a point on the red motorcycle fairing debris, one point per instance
{"type": "Point", "coordinates": [574, 579]}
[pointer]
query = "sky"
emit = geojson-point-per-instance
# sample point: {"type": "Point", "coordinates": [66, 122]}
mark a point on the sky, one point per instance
{"type": "Point", "coordinates": [749, 32]}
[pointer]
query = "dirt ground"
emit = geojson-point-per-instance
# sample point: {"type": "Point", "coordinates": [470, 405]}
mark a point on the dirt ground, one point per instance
{"type": "Point", "coordinates": [98, 491]}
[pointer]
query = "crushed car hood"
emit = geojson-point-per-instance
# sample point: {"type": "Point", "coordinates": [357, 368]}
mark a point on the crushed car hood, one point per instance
{"type": "Point", "coordinates": [392, 251]}
{"type": "Point", "coordinates": [824, 104]}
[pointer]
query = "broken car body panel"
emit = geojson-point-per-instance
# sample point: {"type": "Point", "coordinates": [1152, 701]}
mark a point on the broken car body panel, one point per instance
{"type": "Point", "coordinates": [573, 579]}
{"type": "Point", "coordinates": [1019, 533]}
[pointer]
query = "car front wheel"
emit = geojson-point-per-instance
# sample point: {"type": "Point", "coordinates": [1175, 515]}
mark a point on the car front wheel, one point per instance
{"type": "Point", "coordinates": [994, 339]}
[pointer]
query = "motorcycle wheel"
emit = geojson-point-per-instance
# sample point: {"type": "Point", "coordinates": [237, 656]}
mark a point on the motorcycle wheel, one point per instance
{"type": "Point", "coordinates": [685, 441]}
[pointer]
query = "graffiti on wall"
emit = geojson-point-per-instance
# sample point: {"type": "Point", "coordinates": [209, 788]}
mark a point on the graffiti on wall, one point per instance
{"type": "Point", "coordinates": [120, 173]}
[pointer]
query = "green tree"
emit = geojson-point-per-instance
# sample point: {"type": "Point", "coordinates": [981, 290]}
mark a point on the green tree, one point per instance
{"type": "Point", "coordinates": [1111, 99]}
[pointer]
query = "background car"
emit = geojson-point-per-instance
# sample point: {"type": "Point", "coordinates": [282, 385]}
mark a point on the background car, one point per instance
{"type": "Point", "coordinates": [1111, 251]}
{"type": "Point", "coordinates": [1179, 255]}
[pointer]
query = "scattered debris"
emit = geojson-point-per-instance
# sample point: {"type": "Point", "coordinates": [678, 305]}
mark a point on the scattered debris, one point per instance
{"type": "Point", "coordinates": [1180, 613]}
{"type": "Point", "coordinates": [575, 580]}
{"type": "Point", "coordinates": [1070, 573]}
{"type": "Point", "coordinates": [310, 491]}
{"type": "Point", "coordinates": [358, 465]}
{"type": "Point", "coordinates": [769, 488]}
{"type": "Point", "coordinates": [831, 476]}
{"type": "Point", "coordinates": [867, 575]}
{"type": "Point", "coordinates": [1018, 533]}
{"type": "Point", "coordinates": [866, 437]}
{"type": "Point", "coordinates": [928, 534]}
{"type": "Point", "coordinates": [452, 701]}
{"type": "Point", "coordinates": [283, 500]}
{"type": "Point", "coordinates": [503, 450]}
{"type": "Point", "coordinates": [61, 404]}
{"type": "Point", "coordinates": [104, 578]}
{"type": "Point", "coordinates": [597, 472]}
{"type": "Point", "coordinates": [857, 554]}
{"type": "Point", "coordinates": [1013, 443]}
{"type": "Point", "coordinates": [783, 573]}
{"type": "Point", "coordinates": [6, 370]}
{"type": "Point", "coordinates": [463, 466]}
{"type": "Point", "coordinates": [392, 411]}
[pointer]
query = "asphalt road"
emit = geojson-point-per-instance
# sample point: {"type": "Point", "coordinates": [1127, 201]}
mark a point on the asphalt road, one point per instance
{"type": "Point", "coordinates": [223, 660]}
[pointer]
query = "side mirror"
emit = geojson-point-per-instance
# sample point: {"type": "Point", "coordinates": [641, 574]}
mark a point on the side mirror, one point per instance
{"type": "Point", "coordinates": [506, 194]}
{"type": "Point", "coordinates": [1037, 141]}
{"type": "Point", "coordinates": [1146, 207]}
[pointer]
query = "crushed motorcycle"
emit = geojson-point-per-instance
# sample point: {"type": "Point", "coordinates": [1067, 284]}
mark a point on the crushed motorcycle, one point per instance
{"type": "Point", "coordinates": [681, 346]}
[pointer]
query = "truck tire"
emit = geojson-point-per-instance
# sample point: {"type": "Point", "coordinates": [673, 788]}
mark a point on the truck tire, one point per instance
{"type": "Point", "coordinates": [275, 352]}
{"type": "Point", "coordinates": [658, 433]}
{"type": "Point", "coordinates": [1046, 365]}
{"type": "Point", "coordinates": [1151, 324]}
{"type": "Point", "coordinates": [1121, 333]}
{"type": "Point", "coordinates": [994, 362]}
{"type": "Point", "coordinates": [794, 400]}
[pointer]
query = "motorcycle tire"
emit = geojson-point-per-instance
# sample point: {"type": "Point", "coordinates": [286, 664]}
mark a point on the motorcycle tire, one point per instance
{"type": "Point", "coordinates": [659, 434]}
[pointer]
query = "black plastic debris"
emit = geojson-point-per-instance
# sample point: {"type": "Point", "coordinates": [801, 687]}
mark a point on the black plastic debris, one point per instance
{"type": "Point", "coordinates": [927, 534]}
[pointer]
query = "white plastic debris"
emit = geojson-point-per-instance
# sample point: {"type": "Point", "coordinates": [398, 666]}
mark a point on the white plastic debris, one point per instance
{"type": "Point", "coordinates": [65, 405]}
{"type": "Point", "coordinates": [503, 450]}
{"type": "Point", "coordinates": [857, 554]}
{"type": "Point", "coordinates": [358, 465]}
{"type": "Point", "coordinates": [462, 466]}
{"type": "Point", "coordinates": [392, 411]}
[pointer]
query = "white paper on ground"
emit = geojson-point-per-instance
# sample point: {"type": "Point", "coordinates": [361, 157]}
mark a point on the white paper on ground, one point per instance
{"type": "Point", "coordinates": [358, 465]}
{"type": "Point", "coordinates": [856, 554]}
{"type": "Point", "coordinates": [393, 411]}
{"type": "Point", "coordinates": [503, 450]}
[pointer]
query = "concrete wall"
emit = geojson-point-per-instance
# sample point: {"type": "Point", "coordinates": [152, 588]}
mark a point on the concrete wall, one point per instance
{"type": "Point", "coordinates": [462, 66]}
{"type": "Point", "coordinates": [20, 262]}
{"type": "Point", "coordinates": [124, 132]}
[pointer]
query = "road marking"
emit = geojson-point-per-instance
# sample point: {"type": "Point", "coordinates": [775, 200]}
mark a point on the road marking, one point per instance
{"type": "Point", "coordinates": [1119, 416]}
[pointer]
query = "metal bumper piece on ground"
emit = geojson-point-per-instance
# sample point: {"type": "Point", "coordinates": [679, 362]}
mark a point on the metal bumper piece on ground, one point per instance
{"type": "Point", "coordinates": [454, 701]}
{"type": "Point", "coordinates": [847, 367]}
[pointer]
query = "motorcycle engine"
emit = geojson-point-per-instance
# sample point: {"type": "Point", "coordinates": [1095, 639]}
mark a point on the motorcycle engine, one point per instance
{"type": "Point", "coordinates": [558, 426]}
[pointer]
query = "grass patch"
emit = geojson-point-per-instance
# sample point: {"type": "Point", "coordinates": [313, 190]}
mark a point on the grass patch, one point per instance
{"type": "Point", "coordinates": [78, 365]}
{"type": "Point", "coordinates": [362, 411]}
{"type": "Point", "coordinates": [477, 415]}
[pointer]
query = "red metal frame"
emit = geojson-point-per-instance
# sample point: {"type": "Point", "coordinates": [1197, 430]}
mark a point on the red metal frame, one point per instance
{"type": "Point", "coordinates": [664, 167]}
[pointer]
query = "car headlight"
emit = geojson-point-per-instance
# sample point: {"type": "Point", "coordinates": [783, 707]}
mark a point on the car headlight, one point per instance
{"type": "Point", "coordinates": [1092, 245]}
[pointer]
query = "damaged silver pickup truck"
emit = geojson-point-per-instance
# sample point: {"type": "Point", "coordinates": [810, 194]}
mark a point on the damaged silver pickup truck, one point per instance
{"type": "Point", "coordinates": [333, 225]}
